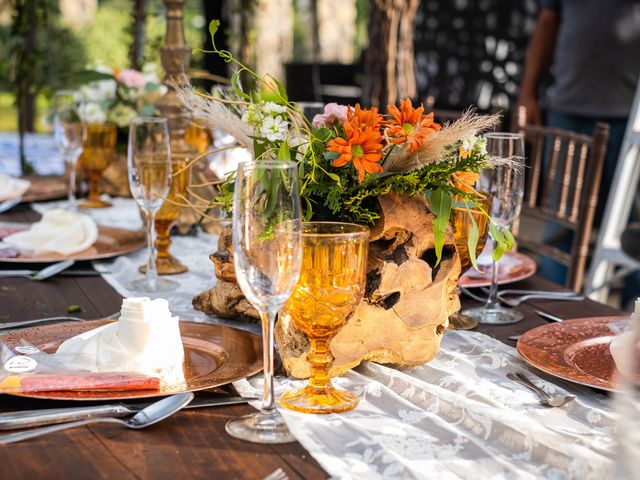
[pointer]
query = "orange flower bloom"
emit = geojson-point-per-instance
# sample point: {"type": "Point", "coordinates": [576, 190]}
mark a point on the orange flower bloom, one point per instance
{"type": "Point", "coordinates": [409, 125]}
{"type": "Point", "coordinates": [465, 181]}
{"type": "Point", "coordinates": [359, 118]}
{"type": "Point", "coordinates": [363, 147]}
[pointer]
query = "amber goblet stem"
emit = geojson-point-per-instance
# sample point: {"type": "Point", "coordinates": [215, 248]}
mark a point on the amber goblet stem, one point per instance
{"type": "Point", "coordinates": [163, 239]}
{"type": "Point", "coordinates": [320, 360]}
{"type": "Point", "coordinates": [94, 187]}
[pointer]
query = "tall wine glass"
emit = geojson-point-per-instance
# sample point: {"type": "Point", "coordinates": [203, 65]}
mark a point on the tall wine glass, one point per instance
{"type": "Point", "coordinates": [331, 285]}
{"type": "Point", "coordinates": [505, 185]}
{"type": "Point", "coordinates": [149, 168]}
{"type": "Point", "coordinates": [69, 134]}
{"type": "Point", "coordinates": [267, 253]}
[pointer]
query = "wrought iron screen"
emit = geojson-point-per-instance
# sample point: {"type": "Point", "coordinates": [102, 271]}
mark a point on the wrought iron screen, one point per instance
{"type": "Point", "coordinates": [472, 51]}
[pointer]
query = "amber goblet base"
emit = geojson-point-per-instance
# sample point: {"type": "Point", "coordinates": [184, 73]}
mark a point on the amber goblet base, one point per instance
{"type": "Point", "coordinates": [309, 399]}
{"type": "Point", "coordinates": [169, 265]}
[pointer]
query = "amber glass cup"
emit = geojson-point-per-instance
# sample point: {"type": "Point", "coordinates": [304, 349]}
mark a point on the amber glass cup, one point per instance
{"type": "Point", "coordinates": [98, 152]}
{"type": "Point", "coordinates": [198, 136]}
{"type": "Point", "coordinates": [168, 215]}
{"type": "Point", "coordinates": [461, 220]}
{"type": "Point", "coordinates": [331, 285]}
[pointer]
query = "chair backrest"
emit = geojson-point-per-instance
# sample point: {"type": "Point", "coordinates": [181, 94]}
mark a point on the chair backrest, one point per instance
{"type": "Point", "coordinates": [562, 185]}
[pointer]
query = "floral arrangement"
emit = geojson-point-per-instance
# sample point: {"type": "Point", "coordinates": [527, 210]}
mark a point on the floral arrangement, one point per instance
{"type": "Point", "coordinates": [117, 96]}
{"type": "Point", "coordinates": [348, 156]}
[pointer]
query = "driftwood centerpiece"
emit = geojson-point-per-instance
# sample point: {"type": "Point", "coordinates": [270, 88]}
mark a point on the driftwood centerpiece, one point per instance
{"type": "Point", "coordinates": [407, 301]}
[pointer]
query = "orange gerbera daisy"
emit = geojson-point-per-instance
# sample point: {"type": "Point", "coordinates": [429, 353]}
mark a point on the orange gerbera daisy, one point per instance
{"type": "Point", "coordinates": [465, 181]}
{"type": "Point", "coordinates": [363, 118]}
{"type": "Point", "coordinates": [409, 125]}
{"type": "Point", "coordinates": [362, 147]}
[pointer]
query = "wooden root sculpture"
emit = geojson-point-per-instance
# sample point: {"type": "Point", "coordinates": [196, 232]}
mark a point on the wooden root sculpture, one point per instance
{"type": "Point", "coordinates": [407, 302]}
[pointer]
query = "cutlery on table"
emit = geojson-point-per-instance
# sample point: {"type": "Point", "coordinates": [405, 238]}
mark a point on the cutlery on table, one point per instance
{"type": "Point", "coordinates": [9, 204]}
{"type": "Point", "coordinates": [514, 337]}
{"type": "Point", "coordinates": [65, 273]}
{"type": "Point", "coordinates": [548, 316]}
{"type": "Point", "coordinates": [278, 474]}
{"type": "Point", "coordinates": [146, 417]}
{"type": "Point", "coordinates": [43, 274]}
{"type": "Point", "coordinates": [52, 416]}
{"type": "Point", "coordinates": [545, 398]}
{"type": "Point", "coordinates": [524, 298]}
{"type": "Point", "coordinates": [37, 321]}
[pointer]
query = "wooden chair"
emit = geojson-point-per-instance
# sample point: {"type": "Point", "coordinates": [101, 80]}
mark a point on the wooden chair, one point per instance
{"type": "Point", "coordinates": [565, 191]}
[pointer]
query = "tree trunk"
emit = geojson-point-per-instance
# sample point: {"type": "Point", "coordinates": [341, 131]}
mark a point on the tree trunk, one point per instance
{"type": "Point", "coordinates": [389, 60]}
{"type": "Point", "coordinates": [137, 46]}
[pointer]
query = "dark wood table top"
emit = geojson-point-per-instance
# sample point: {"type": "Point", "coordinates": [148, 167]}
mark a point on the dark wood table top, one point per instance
{"type": "Point", "coordinates": [191, 444]}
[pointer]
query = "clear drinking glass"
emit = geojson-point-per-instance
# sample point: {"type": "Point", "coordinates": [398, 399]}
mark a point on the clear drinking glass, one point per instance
{"type": "Point", "coordinates": [69, 134]}
{"type": "Point", "coordinates": [149, 168]}
{"type": "Point", "coordinates": [505, 186]}
{"type": "Point", "coordinates": [267, 255]}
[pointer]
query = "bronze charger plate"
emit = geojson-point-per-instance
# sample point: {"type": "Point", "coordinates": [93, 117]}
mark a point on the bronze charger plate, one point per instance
{"type": "Point", "coordinates": [576, 350]}
{"type": "Point", "coordinates": [214, 355]}
{"type": "Point", "coordinates": [43, 188]}
{"type": "Point", "coordinates": [111, 242]}
{"type": "Point", "coordinates": [523, 267]}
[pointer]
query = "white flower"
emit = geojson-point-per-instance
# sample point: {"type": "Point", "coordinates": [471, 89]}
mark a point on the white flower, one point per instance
{"type": "Point", "coordinates": [253, 116]}
{"type": "Point", "coordinates": [473, 144]}
{"type": "Point", "coordinates": [274, 128]}
{"type": "Point", "coordinates": [273, 109]}
{"type": "Point", "coordinates": [92, 113]}
{"type": "Point", "coordinates": [122, 115]}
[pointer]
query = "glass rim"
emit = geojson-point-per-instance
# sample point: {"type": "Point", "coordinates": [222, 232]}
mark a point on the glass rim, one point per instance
{"type": "Point", "coordinates": [141, 120]}
{"type": "Point", "coordinates": [357, 230]}
{"type": "Point", "coordinates": [504, 135]}
{"type": "Point", "coordinates": [281, 164]}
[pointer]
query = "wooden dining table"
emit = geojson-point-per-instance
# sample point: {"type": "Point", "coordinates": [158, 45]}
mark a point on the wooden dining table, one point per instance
{"type": "Point", "coordinates": [191, 444]}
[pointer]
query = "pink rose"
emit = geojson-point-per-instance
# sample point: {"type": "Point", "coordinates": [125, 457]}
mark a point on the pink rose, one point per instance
{"type": "Point", "coordinates": [131, 78]}
{"type": "Point", "coordinates": [333, 112]}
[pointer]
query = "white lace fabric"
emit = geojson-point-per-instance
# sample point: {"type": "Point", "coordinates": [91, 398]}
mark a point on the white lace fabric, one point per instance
{"type": "Point", "coordinates": [456, 417]}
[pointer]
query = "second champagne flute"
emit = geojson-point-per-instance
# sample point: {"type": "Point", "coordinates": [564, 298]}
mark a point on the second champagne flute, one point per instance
{"type": "Point", "coordinates": [267, 256]}
{"type": "Point", "coordinates": [149, 168]}
{"type": "Point", "coordinates": [504, 184]}
{"type": "Point", "coordinates": [69, 134]}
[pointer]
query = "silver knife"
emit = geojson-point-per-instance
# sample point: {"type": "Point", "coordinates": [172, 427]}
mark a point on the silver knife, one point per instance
{"type": "Point", "coordinates": [9, 204]}
{"type": "Point", "coordinates": [52, 416]}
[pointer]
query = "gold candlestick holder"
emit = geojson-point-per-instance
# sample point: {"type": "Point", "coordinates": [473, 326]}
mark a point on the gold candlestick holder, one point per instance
{"type": "Point", "coordinates": [175, 55]}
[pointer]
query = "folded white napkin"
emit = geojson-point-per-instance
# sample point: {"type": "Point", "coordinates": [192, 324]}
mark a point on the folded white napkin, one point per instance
{"type": "Point", "coordinates": [11, 187]}
{"type": "Point", "coordinates": [58, 231]}
{"type": "Point", "coordinates": [146, 340]}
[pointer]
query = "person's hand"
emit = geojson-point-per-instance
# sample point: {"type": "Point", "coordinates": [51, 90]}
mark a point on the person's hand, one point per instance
{"type": "Point", "coordinates": [532, 108]}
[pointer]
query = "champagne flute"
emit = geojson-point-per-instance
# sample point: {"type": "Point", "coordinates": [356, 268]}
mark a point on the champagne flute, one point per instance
{"type": "Point", "coordinates": [504, 184]}
{"type": "Point", "coordinates": [149, 168]}
{"type": "Point", "coordinates": [267, 255]}
{"type": "Point", "coordinates": [69, 134]}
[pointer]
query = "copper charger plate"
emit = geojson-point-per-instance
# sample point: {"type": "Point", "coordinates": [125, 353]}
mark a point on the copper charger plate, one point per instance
{"type": "Point", "coordinates": [214, 355]}
{"type": "Point", "coordinates": [111, 242]}
{"type": "Point", "coordinates": [524, 267]}
{"type": "Point", "coordinates": [575, 350]}
{"type": "Point", "coordinates": [43, 188]}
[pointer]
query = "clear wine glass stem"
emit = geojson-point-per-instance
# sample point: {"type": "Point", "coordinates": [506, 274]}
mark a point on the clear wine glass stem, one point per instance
{"type": "Point", "coordinates": [493, 289]}
{"type": "Point", "coordinates": [268, 318]}
{"type": "Point", "coordinates": [71, 188]}
{"type": "Point", "coordinates": [151, 275]}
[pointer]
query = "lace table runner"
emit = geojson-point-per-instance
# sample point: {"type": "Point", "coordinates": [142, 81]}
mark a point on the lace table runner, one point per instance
{"type": "Point", "coordinates": [457, 416]}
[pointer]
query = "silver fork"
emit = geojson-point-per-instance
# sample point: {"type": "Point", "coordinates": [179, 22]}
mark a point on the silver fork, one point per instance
{"type": "Point", "coordinates": [545, 398]}
{"type": "Point", "coordinates": [37, 321]}
{"type": "Point", "coordinates": [524, 298]}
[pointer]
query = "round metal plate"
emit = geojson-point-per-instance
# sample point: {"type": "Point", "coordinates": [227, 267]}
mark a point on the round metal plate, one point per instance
{"type": "Point", "coordinates": [214, 355]}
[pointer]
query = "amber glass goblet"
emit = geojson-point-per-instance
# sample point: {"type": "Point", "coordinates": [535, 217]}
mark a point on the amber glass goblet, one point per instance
{"type": "Point", "coordinates": [98, 152]}
{"type": "Point", "coordinates": [168, 215]}
{"type": "Point", "coordinates": [198, 136]}
{"type": "Point", "coordinates": [462, 216]}
{"type": "Point", "coordinates": [331, 285]}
